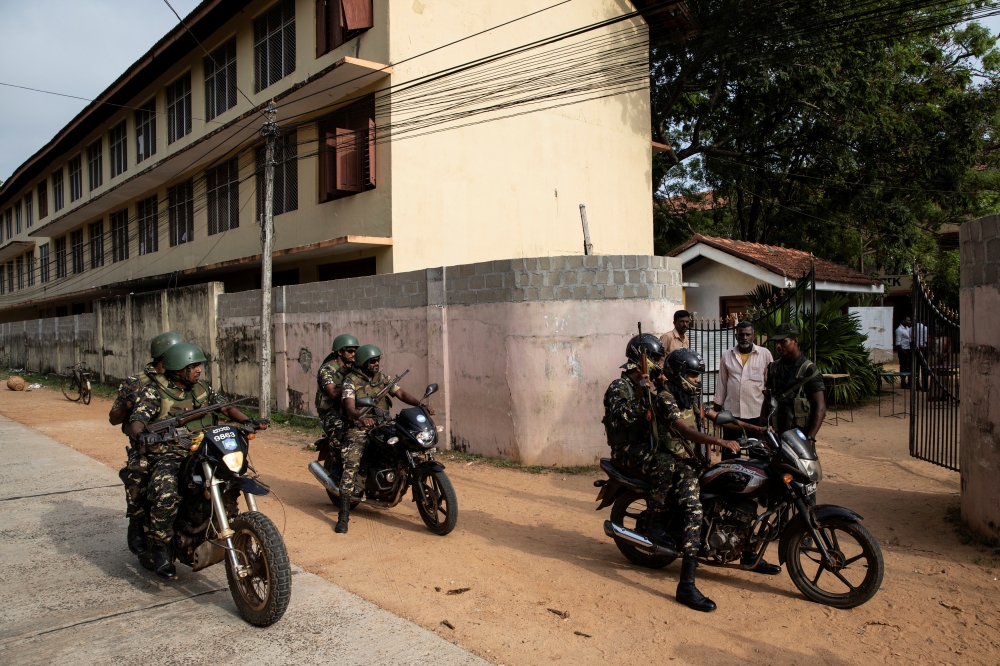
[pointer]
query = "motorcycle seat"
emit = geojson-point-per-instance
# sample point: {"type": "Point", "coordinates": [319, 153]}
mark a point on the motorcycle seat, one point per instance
{"type": "Point", "coordinates": [626, 475]}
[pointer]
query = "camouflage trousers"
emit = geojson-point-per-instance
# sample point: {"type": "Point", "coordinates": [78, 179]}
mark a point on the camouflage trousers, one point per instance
{"type": "Point", "coordinates": [333, 428]}
{"type": "Point", "coordinates": [351, 450]}
{"type": "Point", "coordinates": [688, 493]}
{"type": "Point", "coordinates": [135, 476]}
{"type": "Point", "coordinates": [657, 465]}
{"type": "Point", "coordinates": [163, 493]}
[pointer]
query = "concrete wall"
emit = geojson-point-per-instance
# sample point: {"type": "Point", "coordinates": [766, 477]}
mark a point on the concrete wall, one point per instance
{"type": "Point", "coordinates": [980, 434]}
{"type": "Point", "coordinates": [50, 345]}
{"type": "Point", "coordinates": [714, 281]}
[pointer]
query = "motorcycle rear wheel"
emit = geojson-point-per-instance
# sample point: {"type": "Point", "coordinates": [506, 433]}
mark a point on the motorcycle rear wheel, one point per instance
{"type": "Point", "coordinates": [625, 513]}
{"type": "Point", "coordinates": [438, 503]}
{"type": "Point", "coordinates": [262, 596]}
{"type": "Point", "coordinates": [852, 544]}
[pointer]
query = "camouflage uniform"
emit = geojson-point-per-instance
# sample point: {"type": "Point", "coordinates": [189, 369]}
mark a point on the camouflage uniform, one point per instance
{"type": "Point", "coordinates": [135, 473]}
{"type": "Point", "coordinates": [629, 438]}
{"type": "Point", "coordinates": [358, 385]}
{"type": "Point", "coordinates": [686, 471]}
{"type": "Point", "coordinates": [328, 409]}
{"type": "Point", "coordinates": [158, 402]}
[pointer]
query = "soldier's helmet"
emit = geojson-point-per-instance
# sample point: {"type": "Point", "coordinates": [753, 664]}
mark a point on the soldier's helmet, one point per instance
{"type": "Point", "coordinates": [365, 354]}
{"type": "Point", "coordinates": [163, 342]}
{"type": "Point", "coordinates": [344, 340]}
{"type": "Point", "coordinates": [680, 362]}
{"type": "Point", "coordinates": [182, 355]}
{"type": "Point", "coordinates": [648, 344]}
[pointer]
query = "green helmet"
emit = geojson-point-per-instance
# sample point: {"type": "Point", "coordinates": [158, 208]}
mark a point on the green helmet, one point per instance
{"type": "Point", "coordinates": [366, 353]}
{"type": "Point", "coordinates": [345, 340]}
{"type": "Point", "coordinates": [163, 342]}
{"type": "Point", "coordinates": [182, 355]}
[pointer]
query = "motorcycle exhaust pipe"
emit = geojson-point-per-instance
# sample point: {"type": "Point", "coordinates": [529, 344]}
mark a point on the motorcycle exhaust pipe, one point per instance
{"type": "Point", "coordinates": [636, 539]}
{"type": "Point", "coordinates": [324, 478]}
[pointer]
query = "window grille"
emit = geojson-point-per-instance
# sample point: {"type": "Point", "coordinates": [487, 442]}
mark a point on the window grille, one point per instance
{"type": "Point", "coordinates": [118, 149]}
{"type": "Point", "coordinates": [43, 263]}
{"type": "Point", "coordinates": [31, 268]}
{"type": "Point", "coordinates": [274, 44]}
{"type": "Point", "coordinates": [145, 131]}
{"type": "Point", "coordinates": [19, 269]}
{"type": "Point", "coordinates": [57, 190]}
{"type": "Point", "coordinates": [286, 176]}
{"type": "Point", "coordinates": [10, 276]}
{"type": "Point", "coordinates": [119, 235]}
{"type": "Point", "coordinates": [149, 226]}
{"type": "Point", "coordinates": [220, 80]}
{"type": "Point", "coordinates": [10, 223]}
{"type": "Point", "coordinates": [60, 257]}
{"type": "Point", "coordinates": [179, 108]}
{"type": "Point", "coordinates": [76, 250]}
{"type": "Point", "coordinates": [17, 217]}
{"type": "Point", "coordinates": [28, 219]}
{"type": "Point", "coordinates": [75, 178]}
{"type": "Point", "coordinates": [180, 213]}
{"type": "Point", "coordinates": [223, 189]}
{"type": "Point", "coordinates": [347, 150]}
{"type": "Point", "coordinates": [96, 234]}
{"type": "Point", "coordinates": [43, 199]}
{"type": "Point", "coordinates": [95, 165]}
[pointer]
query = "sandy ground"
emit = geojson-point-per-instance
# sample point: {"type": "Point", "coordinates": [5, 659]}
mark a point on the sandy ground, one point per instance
{"type": "Point", "coordinates": [528, 543]}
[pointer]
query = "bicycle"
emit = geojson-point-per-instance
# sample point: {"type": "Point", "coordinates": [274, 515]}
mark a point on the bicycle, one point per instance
{"type": "Point", "coordinates": [76, 385]}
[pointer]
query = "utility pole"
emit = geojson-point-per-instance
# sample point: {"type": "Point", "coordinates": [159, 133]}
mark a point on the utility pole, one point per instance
{"type": "Point", "coordinates": [270, 134]}
{"type": "Point", "coordinates": [588, 248]}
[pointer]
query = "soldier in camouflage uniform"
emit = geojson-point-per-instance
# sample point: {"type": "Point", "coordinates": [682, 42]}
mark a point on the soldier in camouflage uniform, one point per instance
{"type": "Point", "coordinates": [135, 473]}
{"type": "Point", "coordinates": [329, 380]}
{"type": "Point", "coordinates": [183, 390]}
{"type": "Point", "coordinates": [364, 381]}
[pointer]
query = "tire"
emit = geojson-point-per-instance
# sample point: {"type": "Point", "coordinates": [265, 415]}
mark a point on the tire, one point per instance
{"type": "Point", "coordinates": [70, 388]}
{"type": "Point", "coordinates": [805, 566]}
{"type": "Point", "coordinates": [619, 515]}
{"type": "Point", "coordinates": [336, 469]}
{"type": "Point", "coordinates": [437, 503]}
{"type": "Point", "coordinates": [263, 595]}
{"type": "Point", "coordinates": [85, 392]}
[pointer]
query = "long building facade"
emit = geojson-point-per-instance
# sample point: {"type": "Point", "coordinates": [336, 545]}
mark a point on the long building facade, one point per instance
{"type": "Point", "coordinates": [397, 151]}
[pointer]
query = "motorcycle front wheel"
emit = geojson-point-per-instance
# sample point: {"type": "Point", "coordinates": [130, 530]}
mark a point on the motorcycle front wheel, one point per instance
{"type": "Point", "coordinates": [262, 595]}
{"type": "Point", "coordinates": [437, 502]}
{"type": "Point", "coordinates": [629, 511]}
{"type": "Point", "coordinates": [857, 570]}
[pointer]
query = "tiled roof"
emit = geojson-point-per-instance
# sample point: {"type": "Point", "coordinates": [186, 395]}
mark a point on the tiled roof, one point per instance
{"type": "Point", "coordinates": [779, 260]}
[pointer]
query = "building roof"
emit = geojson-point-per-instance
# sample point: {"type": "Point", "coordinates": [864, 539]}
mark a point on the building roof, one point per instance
{"type": "Point", "coordinates": [782, 261]}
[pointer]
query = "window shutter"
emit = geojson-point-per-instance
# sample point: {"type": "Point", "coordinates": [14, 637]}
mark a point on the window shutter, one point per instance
{"type": "Point", "coordinates": [328, 166]}
{"type": "Point", "coordinates": [348, 161]}
{"type": "Point", "coordinates": [358, 14]}
{"type": "Point", "coordinates": [371, 152]}
{"type": "Point", "coordinates": [321, 29]}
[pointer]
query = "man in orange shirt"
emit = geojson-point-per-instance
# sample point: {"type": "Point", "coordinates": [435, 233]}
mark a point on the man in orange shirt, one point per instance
{"type": "Point", "coordinates": [677, 338]}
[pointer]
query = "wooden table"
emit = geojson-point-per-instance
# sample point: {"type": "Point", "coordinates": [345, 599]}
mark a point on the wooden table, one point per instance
{"type": "Point", "coordinates": [832, 379]}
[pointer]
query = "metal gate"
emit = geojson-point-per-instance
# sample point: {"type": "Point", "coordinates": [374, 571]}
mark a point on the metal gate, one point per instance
{"type": "Point", "coordinates": [934, 395]}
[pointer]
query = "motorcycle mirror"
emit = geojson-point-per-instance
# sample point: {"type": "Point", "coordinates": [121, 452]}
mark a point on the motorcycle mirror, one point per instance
{"type": "Point", "coordinates": [431, 389]}
{"type": "Point", "coordinates": [364, 402]}
{"type": "Point", "coordinates": [725, 417]}
{"type": "Point", "coordinates": [774, 404]}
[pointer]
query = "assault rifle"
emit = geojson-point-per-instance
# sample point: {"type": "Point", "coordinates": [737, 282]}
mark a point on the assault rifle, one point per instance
{"type": "Point", "coordinates": [644, 368]}
{"type": "Point", "coordinates": [381, 394]}
{"type": "Point", "coordinates": [168, 427]}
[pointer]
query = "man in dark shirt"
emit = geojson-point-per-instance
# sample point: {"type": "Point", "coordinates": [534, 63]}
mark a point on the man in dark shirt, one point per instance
{"type": "Point", "coordinates": [796, 383]}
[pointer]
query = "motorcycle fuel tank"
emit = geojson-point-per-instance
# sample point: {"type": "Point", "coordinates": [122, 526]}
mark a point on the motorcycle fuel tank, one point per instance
{"type": "Point", "coordinates": [734, 476]}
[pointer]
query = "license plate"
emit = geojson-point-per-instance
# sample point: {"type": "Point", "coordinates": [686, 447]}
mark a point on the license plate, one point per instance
{"type": "Point", "coordinates": [809, 488]}
{"type": "Point", "coordinates": [600, 495]}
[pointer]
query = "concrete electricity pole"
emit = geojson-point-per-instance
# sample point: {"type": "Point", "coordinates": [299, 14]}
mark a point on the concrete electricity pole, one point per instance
{"type": "Point", "coordinates": [270, 134]}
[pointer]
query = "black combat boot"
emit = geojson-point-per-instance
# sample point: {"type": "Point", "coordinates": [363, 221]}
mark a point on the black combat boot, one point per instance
{"type": "Point", "coordinates": [345, 514]}
{"type": "Point", "coordinates": [136, 537]}
{"type": "Point", "coordinates": [687, 593]}
{"type": "Point", "coordinates": [163, 561]}
{"type": "Point", "coordinates": [657, 531]}
{"type": "Point", "coordinates": [763, 567]}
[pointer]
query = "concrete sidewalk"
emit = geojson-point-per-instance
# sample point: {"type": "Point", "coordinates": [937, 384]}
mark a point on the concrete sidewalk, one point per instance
{"type": "Point", "coordinates": [71, 593]}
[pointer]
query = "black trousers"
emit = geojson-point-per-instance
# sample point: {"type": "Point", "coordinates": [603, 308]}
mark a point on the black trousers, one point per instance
{"type": "Point", "coordinates": [905, 365]}
{"type": "Point", "coordinates": [733, 435]}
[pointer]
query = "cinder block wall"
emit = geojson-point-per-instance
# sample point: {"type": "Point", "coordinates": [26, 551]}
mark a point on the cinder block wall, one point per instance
{"type": "Point", "coordinates": [980, 428]}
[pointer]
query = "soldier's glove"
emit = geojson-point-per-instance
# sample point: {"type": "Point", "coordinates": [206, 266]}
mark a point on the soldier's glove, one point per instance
{"type": "Point", "coordinates": [149, 439]}
{"type": "Point", "coordinates": [257, 423]}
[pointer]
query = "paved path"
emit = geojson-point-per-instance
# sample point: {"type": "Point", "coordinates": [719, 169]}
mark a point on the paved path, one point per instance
{"type": "Point", "coordinates": [71, 593]}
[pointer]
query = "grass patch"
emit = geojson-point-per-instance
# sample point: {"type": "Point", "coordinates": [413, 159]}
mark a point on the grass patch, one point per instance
{"type": "Point", "coordinates": [52, 381]}
{"type": "Point", "coordinates": [460, 456]}
{"type": "Point", "coordinates": [303, 425]}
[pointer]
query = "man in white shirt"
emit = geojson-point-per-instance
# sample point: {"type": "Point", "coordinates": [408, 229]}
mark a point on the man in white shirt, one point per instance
{"type": "Point", "coordinates": [740, 387]}
{"type": "Point", "coordinates": [918, 351]}
{"type": "Point", "coordinates": [904, 352]}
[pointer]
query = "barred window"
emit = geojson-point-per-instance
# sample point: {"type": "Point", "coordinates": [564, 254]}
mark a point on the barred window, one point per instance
{"type": "Point", "coordinates": [95, 164]}
{"type": "Point", "coordinates": [17, 217]}
{"type": "Point", "coordinates": [10, 223]}
{"type": "Point", "coordinates": [28, 219]}
{"type": "Point", "coordinates": [145, 131]}
{"type": "Point", "coordinates": [274, 44]}
{"type": "Point", "coordinates": [76, 250]}
{"type": "Point", "coordinates": [179, 108]}
{"type": "Point", "coordinates": [220, 80]}
{"type": "Point", "coordinates": [347, 150]}
{"type": "Point", "coordinates": [96, 233]}
{"type": "Point", "coordinates": [339, 21]}
{"type": "Point", "coordinates": [286, 176]}
{"type": "Point", "coordinates": [180, 213]}
{"type": "Point", "coordinates": [75, 178]}
{"type": "Point", "coordinates": [10, 276]}
{"type": "Point", "coordinates": [43, 263]}
{"type": "Point", "coordinates": [118, 149]}
{"type": "Point", "coordinates": [119, 235]}
{"type": "Point", "coordinates": [19, 269]}
{"type": "Point", "coordinates": [30, 258]}
{"type": "Point", "coordinates": [57, 190]}
{"type": "Point", "coordinates": [60, 257]}
{"type": "Point", "coordinates": [223, 189]}
{"type": "Point", "coordinates": [149, 226]}
{"type": "Point", "coordinates": [43, 199]}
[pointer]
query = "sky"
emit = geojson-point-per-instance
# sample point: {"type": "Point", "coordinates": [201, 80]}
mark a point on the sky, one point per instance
{"type": "Point", "coordinates": [77, 47]}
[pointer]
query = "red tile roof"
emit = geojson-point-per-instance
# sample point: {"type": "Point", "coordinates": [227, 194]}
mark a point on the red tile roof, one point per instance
{"type": "Point", "coordinates": [779, 260]}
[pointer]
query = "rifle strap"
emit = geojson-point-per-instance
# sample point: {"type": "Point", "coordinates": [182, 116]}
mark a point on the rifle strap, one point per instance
{"type": "Point", "coordinates": [802, 382]}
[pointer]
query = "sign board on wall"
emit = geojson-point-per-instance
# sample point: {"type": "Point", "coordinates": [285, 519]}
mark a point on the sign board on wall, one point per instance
{"type": "Point", "coordinates": [876, 323]}
{"type": "Point", "coordinates": [897, 284]}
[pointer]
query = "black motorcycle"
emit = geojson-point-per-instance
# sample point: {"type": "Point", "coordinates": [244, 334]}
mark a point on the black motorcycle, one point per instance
{"type": "Point", "coordinates": [831, 557]}
{"type": "Point", "coordinates": [399, 453]}
{"type": "Point", "coordinates": [210, 526]}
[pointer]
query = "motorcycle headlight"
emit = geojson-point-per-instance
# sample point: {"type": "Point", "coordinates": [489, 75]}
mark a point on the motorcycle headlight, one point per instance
{"type": "Point", "coordinates": [425, 437]}
{"type": "Point", "coordinates": [234, 461]}
{"type": "Point", "coordinates": [813, 469]}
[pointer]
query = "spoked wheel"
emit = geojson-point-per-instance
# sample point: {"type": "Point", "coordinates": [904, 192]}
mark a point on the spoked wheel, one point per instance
{"type": "Point", "coordinates": [262, 594]}
{"type": "Point", "coordinates": [630, 512]}
{"type": "Point", "coordinates": [85, 392]}
{"type": "Point", "coordinates": [71, 388]}
{"type": "Point", "coordinates": [857, 570]}
{"type": "Point", "coordinates": [437, 503]}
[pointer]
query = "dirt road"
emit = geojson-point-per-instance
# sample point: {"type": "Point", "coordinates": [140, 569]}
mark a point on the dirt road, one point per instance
{"type": "Point", "coordinates": [529, 543]}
